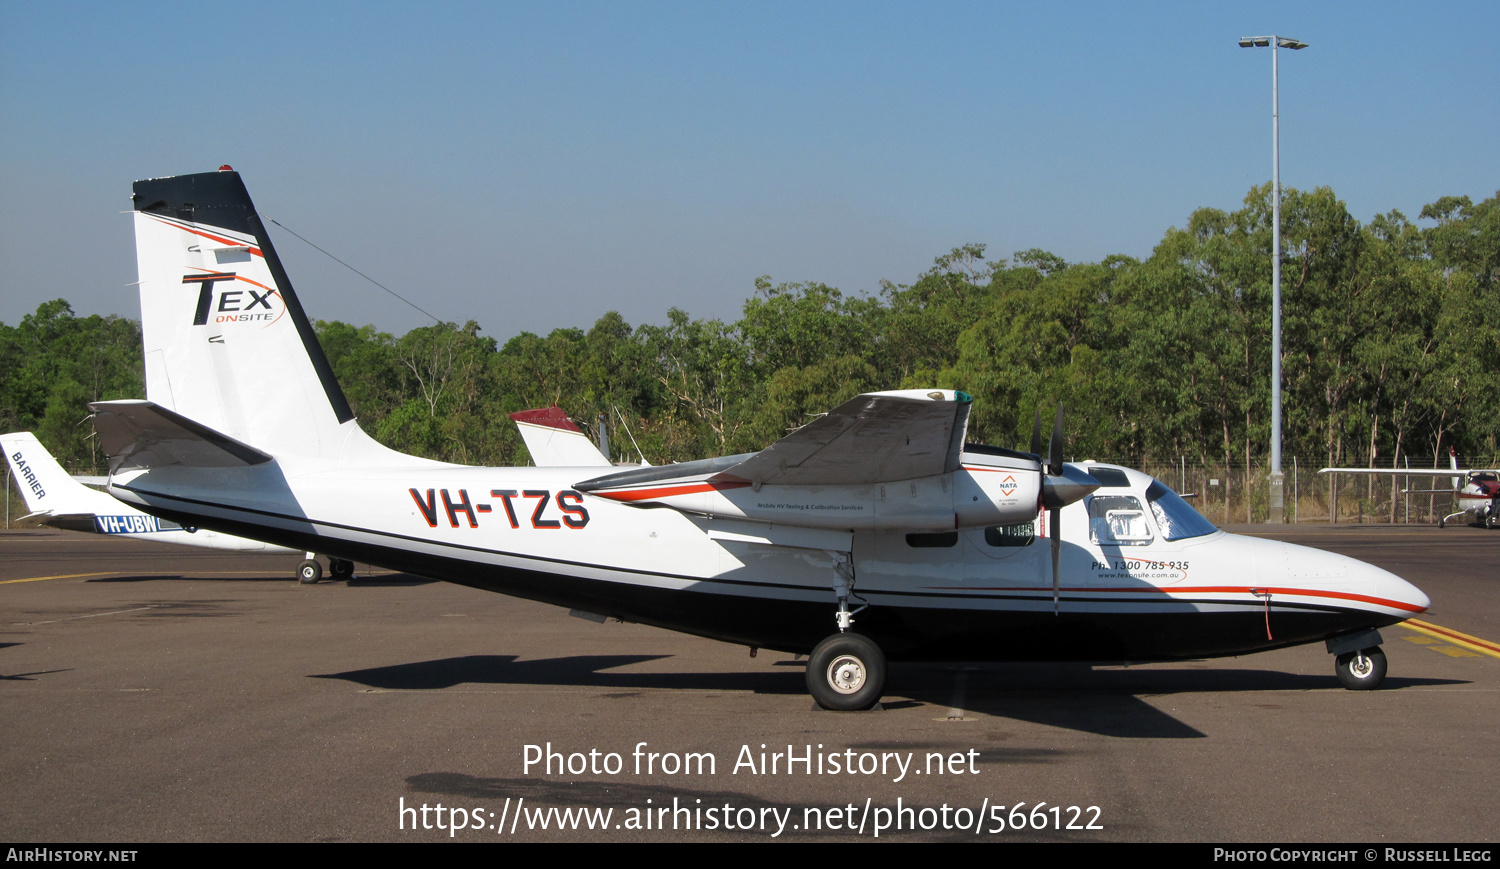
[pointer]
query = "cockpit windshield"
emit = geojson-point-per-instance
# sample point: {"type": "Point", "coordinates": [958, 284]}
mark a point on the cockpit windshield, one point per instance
{"type": "Point", "coordinates": [1174, 516]}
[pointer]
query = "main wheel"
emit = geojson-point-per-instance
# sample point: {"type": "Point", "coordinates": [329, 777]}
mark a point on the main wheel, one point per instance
{"type": "Point", "coordinates": [341, 568]}
{"type": "Point", "coordinates": [1489, 518]}
{"type": "Point", "coordinates": [846, 672]}
{"type": "Point", "coordinates": [1361, 671]}
{"type": "Point", "coordinates": [309, 572]}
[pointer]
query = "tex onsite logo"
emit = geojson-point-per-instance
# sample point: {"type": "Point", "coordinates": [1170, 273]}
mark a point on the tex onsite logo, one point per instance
{"type": "Point", "coordinates": [234, 305]}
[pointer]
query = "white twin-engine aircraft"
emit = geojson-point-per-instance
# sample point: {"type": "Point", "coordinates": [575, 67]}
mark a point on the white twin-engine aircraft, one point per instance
{"type": "Point", "coordinates": [872, 531]}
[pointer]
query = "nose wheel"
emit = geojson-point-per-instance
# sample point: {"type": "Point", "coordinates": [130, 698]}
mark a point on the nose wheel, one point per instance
{"type": "Point", "coordinates": [846, 672]}
{"type": "Point", "coordinates": [1363, 670]}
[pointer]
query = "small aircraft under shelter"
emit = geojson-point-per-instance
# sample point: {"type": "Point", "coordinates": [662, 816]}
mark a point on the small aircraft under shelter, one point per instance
{"type": "Point", "coordinates": [1476, 490]}
{"type": "Point", "coordinates": [876, 516]}
{"type": "Point", "coordinates": [59, 500]}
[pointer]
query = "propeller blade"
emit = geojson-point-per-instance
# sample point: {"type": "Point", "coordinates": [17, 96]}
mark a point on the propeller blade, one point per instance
{"type": "Point", "coordinates": [1055, 517]}
{"type": "Point", "coordinates": [1054, 450]}
{"type": "Point", "coordinates": [1036, 434]}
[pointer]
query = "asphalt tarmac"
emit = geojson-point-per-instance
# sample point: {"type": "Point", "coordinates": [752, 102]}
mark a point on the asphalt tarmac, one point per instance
{"type": "Point", "coordinates": [159, 693]}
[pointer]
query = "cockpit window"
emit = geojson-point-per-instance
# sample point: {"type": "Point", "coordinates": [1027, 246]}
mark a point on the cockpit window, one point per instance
{"type": "Point", "coordinates": [1174, 516]}
{"type": "Point", "coordinates": [1118, 520]}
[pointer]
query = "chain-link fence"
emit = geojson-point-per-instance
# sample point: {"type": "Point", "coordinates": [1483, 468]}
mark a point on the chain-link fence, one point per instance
{"type": "Point", "coordinates": [1234, 493]}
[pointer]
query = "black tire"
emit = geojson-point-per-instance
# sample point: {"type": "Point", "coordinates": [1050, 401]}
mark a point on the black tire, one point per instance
{"type": "Point", "coordinates": [341, 568]}
{"type": "Point", "coordinates": [846, 672]}
{"type": "Point", "coordinates": [309, 572]}
{"type": "Point", "coordinates": [1361, 671]}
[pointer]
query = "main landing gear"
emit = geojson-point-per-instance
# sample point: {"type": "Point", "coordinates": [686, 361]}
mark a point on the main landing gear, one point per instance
{"type": "Point", "coordinates": [1359, 662]}
{"type": "Point", "coordinates": [310, 571]}
{"type": "Point", "coordinates": [846, 671]}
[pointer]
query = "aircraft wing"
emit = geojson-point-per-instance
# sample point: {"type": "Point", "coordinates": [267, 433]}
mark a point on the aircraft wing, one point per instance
{"type": "Point", "coordinates": [141, 434]}
{"type": "Point", "coordinates": [1411, 472]}
{"type": "Point", "coordinates": [878, 437]}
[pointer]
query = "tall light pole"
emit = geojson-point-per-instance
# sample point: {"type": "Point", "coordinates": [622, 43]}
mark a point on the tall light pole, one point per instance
{"type": "Point", "coordinates": [1278, 480]}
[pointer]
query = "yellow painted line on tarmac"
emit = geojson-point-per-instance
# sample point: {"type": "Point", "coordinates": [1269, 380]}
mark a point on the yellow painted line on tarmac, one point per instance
{"type": "Point", "coordinates": [1484, 647]}
{"type": "Point", "coordinates": [1440, 646]}
{"type": "Point", "coordinates": [62, 576]}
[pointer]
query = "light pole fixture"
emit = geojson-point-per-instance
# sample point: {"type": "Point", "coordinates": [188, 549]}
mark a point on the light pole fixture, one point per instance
{"type": "Point", "coordinates": [1278, 480]}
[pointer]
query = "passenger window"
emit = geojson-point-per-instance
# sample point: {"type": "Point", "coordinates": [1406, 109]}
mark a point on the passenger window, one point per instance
{"type": "Point", "coordinates": [1020, 534]}
{"type": "Point", "coordinates": [1118, 520]}
{"type": "Point", "coordinates": [940, 540]}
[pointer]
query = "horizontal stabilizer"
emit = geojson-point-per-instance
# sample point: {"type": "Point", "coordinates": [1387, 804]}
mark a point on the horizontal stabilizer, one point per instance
{"type": "Point", "coordinates": [139, 434]}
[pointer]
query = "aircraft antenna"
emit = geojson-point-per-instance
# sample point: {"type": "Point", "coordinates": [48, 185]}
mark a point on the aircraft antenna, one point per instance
{"type": "Point", "coordinates": [625, 425]}
{"type": "Point", "coordinates": [350, 268]}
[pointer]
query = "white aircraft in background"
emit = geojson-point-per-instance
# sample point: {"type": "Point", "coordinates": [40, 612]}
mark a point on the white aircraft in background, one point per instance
{"type": "Point", "coordinates": [62, 501]}
{"type": "Point", "coordinates": [1477, 490]}
{"type": "Point", "coordinates": [876, 514]}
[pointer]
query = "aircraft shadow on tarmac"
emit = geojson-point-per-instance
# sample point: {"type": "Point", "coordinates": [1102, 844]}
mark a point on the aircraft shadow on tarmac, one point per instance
{"type": "Point", "coordinates": [379, 581]}
{"type": "Point", "coordinates": [1069, 696]}
{"type": "Point", "coordinates": [174, 577]}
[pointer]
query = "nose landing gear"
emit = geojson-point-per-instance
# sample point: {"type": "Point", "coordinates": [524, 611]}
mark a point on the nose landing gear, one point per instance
{"type": "Point", "coordinates": [1363, 670]}
{"type": "Point", "coordinates": [1359, 662]}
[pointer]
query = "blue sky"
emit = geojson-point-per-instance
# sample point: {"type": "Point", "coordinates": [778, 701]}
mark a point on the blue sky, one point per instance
{"type": "Point", "coordinates": [534, 165]}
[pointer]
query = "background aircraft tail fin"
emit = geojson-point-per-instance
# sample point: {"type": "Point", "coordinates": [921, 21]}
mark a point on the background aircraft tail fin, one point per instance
{"type": "Point", "coordinates": [44, 484]}
{"type": "Point", "coordinates": [554, 440]}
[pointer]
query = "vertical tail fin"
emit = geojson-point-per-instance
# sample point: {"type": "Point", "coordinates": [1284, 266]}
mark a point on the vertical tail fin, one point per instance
{"type": "Point", "coordinates": [227, 343]}
{"type": "Point", "coordinates": [1453, 463]}
{"type": "Point", "coordinates": [44, 484]}
{"type": "Point", "coordinates": [554, 440]}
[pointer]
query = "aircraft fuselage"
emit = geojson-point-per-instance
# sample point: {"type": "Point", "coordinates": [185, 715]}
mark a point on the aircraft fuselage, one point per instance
{"type": "Point", "coordinates": [976, 594]}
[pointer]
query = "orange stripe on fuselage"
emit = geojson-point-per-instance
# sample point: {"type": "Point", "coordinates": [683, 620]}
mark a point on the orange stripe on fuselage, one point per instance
{"type": "Point", "coordinates": [669, 491]}
{"type": "Point", "coordinates": [1214, 589]}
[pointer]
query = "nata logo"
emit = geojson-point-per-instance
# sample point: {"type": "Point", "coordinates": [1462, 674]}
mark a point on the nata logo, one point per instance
{"type": "Point", "coordinates": [237, 300]}
{"type": "Point", "coordinates": [1008, 486]}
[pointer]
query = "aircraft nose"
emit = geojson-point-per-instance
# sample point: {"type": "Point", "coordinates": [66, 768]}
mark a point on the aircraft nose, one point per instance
{"type": "Point", "coordinates": [1388, 589]}
{"type": "Point", "coordinates": [1343, 577]}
